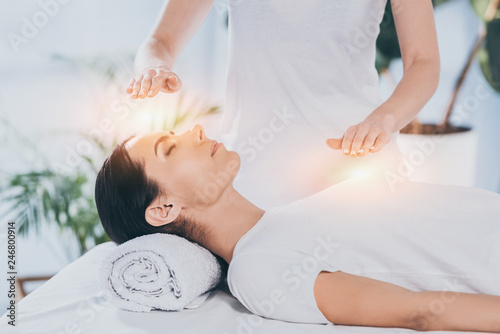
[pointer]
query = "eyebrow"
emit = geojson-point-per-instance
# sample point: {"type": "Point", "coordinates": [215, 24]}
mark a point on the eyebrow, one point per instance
{"type": "Point", "coordinates": [162, 139]}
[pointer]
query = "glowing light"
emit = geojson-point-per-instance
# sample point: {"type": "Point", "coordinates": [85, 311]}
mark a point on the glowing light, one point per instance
{"type": "Point", "coordinates": [357, 172]}
{"type": "Point", "coordinates": [144, 117]}
{"type": "Point", "coordinates": [147, 118]}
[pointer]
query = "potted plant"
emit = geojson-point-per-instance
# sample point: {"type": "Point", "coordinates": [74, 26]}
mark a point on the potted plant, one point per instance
{"type": "Point", "coordinates": [445, 153]}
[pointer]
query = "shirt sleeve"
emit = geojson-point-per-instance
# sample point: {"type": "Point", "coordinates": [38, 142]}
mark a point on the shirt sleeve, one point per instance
{"type": "Point", "coordinates": [278, 284]}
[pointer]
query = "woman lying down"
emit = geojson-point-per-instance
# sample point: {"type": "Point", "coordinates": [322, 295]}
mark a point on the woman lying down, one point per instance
{"type": "Point", "coordinates": [418, 256]}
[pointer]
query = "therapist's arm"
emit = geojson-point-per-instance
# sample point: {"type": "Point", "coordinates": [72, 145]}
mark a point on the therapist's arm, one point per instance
{"type": "Point", "coordinates": [154, 61]}
{"type": "Point", "coordinates": [416, 31]}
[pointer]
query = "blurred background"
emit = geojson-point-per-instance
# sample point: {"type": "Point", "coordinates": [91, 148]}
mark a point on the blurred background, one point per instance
{"type": "Point", "coordinates": [64, 67]}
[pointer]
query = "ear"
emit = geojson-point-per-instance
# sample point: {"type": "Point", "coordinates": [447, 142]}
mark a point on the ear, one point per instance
{"type": "Point", "coordinates": [161, 212]}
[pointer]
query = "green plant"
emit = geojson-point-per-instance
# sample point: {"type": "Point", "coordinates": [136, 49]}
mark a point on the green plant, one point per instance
{"type": "Point", "coordinates": [45, 195]}
{"type": "Point", "coordinates": [487, 47]}
{"type": "Point", "coordinates": [489, 52]}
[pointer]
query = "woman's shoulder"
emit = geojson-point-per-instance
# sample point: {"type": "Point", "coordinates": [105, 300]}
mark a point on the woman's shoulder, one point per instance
{"type": "Point", "coordinates": [274, 284]}
{"type": "Point", "coordinates": [253, 276]}
{"type": "Point", "coordinates": [259, 266]}
{"type": "Point", "coordinates": [249, 264]}
{"type": "Point", "coordinates": [254, 264]}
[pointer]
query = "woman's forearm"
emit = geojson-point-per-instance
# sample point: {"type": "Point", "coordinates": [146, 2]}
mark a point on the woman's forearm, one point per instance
{"type": "Point", "coordinates": [458, 311]}
{"type": "Point", "coordinates": [155, 58]}
{"type": "Point", "coordinates": [417, 86]}
{"type": "Point", "coordinates": [153, 52]}
{"type": "Point", "coordinates": [173, 30]}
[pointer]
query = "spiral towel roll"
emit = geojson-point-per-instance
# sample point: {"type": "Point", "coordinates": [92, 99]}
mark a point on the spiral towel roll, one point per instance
{"type": "Point", "coordinates": [159, 271]}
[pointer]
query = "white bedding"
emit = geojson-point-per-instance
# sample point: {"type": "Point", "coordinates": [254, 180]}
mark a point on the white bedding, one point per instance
{"type": "Point", "coordinates": [71, 303]}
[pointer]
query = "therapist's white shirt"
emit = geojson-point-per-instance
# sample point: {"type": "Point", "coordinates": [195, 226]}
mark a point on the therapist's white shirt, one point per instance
{"type": "Point", "coordinates": [299, 72]}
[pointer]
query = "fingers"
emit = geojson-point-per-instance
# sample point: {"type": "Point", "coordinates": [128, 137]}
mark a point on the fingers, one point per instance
{"type": "Point", "coordinates": [172, 84]}
{"type": "Point", "coordinates": [146, 83]}
{"type": "Point", "coordinates": [156, 84]}
{"type": "Point", "coordinates": [136, 87]}
{"type": "Point", "coordinates": [369, 142]}
{"type": "Point", "coordinates": [335, 143]}
{"type": "Point", "coordinates": [152, 81]}
{"type": "Point", "coordinates": [130, 87]}
{"type": "Point", "coordinates": [348, 138]}
{"type": "Point", "coordinates": [159, 82]}
{"type": "Point", "coordinates": [382, 139]}
{"type": "Point", "coordinates": [359, 140]}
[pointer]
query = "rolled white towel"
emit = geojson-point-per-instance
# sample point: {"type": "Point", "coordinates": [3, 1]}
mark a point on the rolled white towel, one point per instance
{"type": "Point", "coordinates": [159, 271]}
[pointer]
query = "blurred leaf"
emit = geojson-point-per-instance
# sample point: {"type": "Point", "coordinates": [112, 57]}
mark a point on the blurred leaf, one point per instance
{"type": "Point", "coordinates": [387, 40]}
{"type": "Point", "coordinates": [490, 63]}
{"type": "Point", "coordinates": [44, 196]}
{"type": "Point", "coordinates": [480, 6]}
{"type": "Point", "coordinates": [381, 62]}
{"type": "Point", "coordinates": [104, 64]}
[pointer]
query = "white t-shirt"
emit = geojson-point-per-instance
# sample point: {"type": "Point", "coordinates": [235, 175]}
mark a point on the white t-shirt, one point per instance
{"type": "Point", "coordinates": [420, 236]}
{"type": "Point", "coordinates": [299, 72]}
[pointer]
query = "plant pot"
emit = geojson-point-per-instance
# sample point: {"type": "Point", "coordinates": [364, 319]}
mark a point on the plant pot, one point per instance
{"type": "Point", "coordinates": [447, 158]}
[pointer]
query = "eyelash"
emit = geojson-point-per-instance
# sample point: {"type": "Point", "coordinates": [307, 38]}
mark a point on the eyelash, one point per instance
{"type": "Point", "coordinates": [171, 147]}
{"type": "Point", "coordinates": [170, 150]}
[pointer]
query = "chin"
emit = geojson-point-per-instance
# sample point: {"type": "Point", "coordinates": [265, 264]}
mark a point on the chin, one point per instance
{"type": "Point", "coordinates": [233, 163]}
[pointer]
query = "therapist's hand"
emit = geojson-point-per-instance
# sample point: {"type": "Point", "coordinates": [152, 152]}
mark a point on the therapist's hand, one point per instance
{"type": "Point", "coordinates": [153, 80]}
{"type": "Point", "coordinates": [369, 136]}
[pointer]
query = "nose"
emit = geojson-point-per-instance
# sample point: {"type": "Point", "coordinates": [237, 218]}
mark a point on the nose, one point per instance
{"type": "Point", "coordinates": [199, 133]}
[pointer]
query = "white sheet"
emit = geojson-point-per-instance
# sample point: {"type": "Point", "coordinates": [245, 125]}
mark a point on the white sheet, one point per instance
{"type": "Point", "coordinates": [71, 303]}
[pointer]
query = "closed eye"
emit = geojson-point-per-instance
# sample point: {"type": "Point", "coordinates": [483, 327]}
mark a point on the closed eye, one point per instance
{"type": "Point", "coordinates": [171, 146]}
{"type": "Point", "coordinates": [164, 139]}
{"type": "Point", "coordinates": [170, 149]}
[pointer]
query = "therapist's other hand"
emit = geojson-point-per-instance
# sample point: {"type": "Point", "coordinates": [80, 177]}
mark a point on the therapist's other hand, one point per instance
{"type": "Point", "coordinates": [369, 136]}
{"type": "Point", "coordinates": [153, 80]}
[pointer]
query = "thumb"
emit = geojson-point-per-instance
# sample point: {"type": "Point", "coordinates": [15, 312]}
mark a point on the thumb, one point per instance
{"type": "Point", "coordinates": [174, 83]}
{"type": "Point", "coordinates": [334, 143]}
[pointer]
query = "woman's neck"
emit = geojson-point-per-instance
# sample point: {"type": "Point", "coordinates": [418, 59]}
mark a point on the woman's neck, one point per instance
{"type": "Point", "coordinates": [226, 221]}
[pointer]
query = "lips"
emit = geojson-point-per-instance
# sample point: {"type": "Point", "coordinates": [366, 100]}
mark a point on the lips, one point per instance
{"type": "Point", "coordinates": [214, 144]}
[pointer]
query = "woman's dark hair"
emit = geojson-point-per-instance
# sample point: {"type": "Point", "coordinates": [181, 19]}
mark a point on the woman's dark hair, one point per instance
{"type": "Point", "coordinates": [123, 191]}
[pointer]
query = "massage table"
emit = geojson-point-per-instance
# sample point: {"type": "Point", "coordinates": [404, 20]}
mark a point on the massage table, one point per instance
{"type": "Point", "coordinates": [71, 302]}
